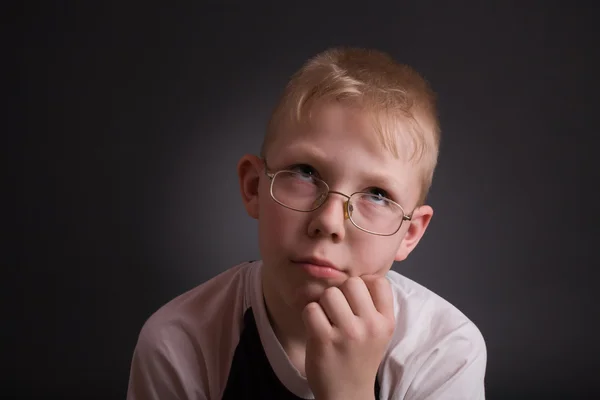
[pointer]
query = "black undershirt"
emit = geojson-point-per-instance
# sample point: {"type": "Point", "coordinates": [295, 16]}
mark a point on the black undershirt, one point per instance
{"type": "Point", "coordinates": [251, 375]}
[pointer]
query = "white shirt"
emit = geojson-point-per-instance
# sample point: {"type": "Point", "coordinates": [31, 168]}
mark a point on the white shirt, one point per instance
{"type": "Point", "coordinates": [216, 340]}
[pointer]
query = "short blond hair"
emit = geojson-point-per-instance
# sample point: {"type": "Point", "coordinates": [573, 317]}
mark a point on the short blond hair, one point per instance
{"type": "Point", "coordinates": [396, 96]}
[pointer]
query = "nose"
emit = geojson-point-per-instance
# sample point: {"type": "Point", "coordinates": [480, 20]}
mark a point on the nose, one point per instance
{"type": "Point", "coordinates": [329, 219]}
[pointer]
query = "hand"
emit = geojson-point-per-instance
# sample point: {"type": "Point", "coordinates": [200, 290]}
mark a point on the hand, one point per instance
{"type": "Point", "coordinates": [349, 330]}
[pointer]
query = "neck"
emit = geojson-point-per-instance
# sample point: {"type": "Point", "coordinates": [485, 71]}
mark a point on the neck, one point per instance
{"type": "Point", "coordinates": [287, 324]}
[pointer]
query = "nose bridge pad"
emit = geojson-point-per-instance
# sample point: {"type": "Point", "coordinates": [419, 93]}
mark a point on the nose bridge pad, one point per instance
{"type": "Point", "coordinates": [347, 206]}
{"type": "Point", "coordinates": [319, 200]}
{"type": "Point", "coordinates": [347, 209]}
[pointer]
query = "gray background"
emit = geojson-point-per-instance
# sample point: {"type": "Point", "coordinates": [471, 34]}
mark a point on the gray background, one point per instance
{"type": "Point", "coordinates": [126, 123]}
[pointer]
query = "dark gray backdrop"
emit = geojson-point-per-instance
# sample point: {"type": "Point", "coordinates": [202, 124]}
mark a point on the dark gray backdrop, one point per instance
{"type": "Point", "coordinates": [128, 121]}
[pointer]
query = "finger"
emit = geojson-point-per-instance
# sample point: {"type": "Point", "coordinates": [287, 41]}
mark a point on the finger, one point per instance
{"type": "Point", "coordinates": [316, 322]}
{"type": "Point", "coordinates": [358, 296]}
{"type": "Point", "coordinates": [337, 308]}
{"type": "Point", "coordinates": [381, 293]}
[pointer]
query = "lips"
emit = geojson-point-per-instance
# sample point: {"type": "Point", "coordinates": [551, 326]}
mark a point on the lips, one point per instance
{"type": "Point", "coordinates": [321, 262]}
{"type": "Point", "coordinates": [319, 268]}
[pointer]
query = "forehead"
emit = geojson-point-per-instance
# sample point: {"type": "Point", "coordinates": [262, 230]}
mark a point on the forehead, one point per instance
{"type": "Point", "coordinates": [344, 142]}
{"type": "Point", "coordinates": [348, 127]}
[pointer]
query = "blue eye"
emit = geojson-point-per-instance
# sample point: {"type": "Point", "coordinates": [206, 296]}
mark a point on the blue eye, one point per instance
{"type": "Point", "coordinates": [378, 195]}
{"type": "Point", "coordinates": [377, 192]}
{"type": "Point", "coordinates": [306, 171]}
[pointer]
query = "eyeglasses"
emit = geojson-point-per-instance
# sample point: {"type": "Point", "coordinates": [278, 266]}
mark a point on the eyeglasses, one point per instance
{"type": "Point", "coordinates": [367, 211]}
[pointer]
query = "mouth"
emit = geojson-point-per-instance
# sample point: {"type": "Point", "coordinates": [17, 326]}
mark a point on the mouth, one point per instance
{"type": "Point", "coordinates": [320, 262]}
{"type": "Point", "coordinates": [319, 267]}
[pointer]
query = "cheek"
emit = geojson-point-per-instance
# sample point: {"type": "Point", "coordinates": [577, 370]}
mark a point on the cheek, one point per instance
{"type": "Point", "coordinates": [278, 227]}
{"type": "Point", "coordinates": [273, 219]}
{"type": "Point", "coordinates": [375, 254]}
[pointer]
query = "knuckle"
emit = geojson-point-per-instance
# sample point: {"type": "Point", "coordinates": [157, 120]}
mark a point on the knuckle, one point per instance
{"type": "Point", "coordinates": [352, 283]}
{"type": "Point", "coordinates": [330, 293]}
{"type": "Point", "coordinates": [378, 327]}
{"type": "Point", "coordinates": [310, 308]}
{"type": "Point", "coordinates": [374, 327]}
{"type": "Point", "coordinates": [354, 280]}
{"type": "Point", "coordinates": [390, 330]}
{"type": "Point", "coordinates": [355, 333]}
{"type": "Point", "coordinates": [386, 329]}
{"type": "Point", "coordinates": [381, 284]}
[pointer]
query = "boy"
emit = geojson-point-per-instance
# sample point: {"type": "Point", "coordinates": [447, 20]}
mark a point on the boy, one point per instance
{"type": "Point", "coordinates": [338, 193]}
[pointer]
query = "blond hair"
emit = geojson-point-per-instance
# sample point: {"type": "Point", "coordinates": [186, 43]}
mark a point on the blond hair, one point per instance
{"type": "Point", "coordinates": [395, 95]}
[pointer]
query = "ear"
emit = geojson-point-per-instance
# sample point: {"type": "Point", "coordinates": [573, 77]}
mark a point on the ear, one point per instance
{"type": "Point", "coordinates": [249, 169]}
{"type": "Point", "coordinates": [418, 224]}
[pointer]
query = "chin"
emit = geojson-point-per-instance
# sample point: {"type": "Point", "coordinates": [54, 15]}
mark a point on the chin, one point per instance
{"type": "Point", "coordinates": [307, 293]}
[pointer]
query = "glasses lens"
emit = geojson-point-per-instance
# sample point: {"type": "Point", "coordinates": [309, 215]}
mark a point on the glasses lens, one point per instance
{"type": "Point", "coordinates": [375, 213]}
{"type": "Point", "coordinates": [302, 192]}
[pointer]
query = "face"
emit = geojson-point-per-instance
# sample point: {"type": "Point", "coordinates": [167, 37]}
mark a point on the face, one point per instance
{"type": "Point", "coordinates": [340, 148]}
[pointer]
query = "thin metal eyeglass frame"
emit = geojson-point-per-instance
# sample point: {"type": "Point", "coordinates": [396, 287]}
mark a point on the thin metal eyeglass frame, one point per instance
{"type": "Point", "coordinates": [347, 213]}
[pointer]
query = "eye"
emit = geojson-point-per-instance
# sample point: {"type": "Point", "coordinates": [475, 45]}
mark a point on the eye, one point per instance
{"type": "Point", "coordinates": [378, 195]}
{"type": "Point", "coordinates": [377, 192]}
{"type": "Point", "coordinates": [304, 170]}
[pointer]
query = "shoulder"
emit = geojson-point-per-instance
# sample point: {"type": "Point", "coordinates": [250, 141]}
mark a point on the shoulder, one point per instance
{"type": "Point", "coordinates": [424, 313]}
{"type": "Point", "coordinates": [196, 314]}
{"type": "Point", "coordinates": [202, 303]}
{"type": "Point", "coordinates": [435, 345]}
{"type": "Point", "coordinates": [186, 345]}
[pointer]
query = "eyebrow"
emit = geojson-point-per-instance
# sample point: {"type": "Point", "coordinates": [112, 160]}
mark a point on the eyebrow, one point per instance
{"type": "Point", "coordinates": [375, 178]}
{"type": "Point", "coordinates": [306, 150]}
{"type": "Point", "coordinates": [381, 179]}
{"type": "Point", "coordinates": [387, 182]}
